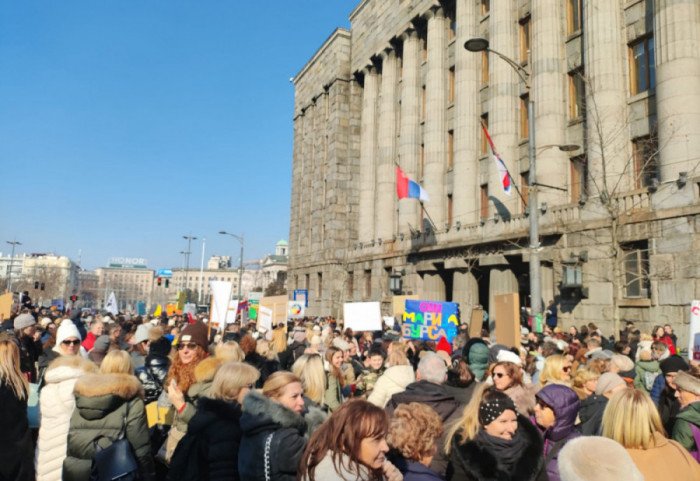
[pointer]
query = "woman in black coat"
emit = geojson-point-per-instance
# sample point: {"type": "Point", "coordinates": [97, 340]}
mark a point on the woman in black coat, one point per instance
{"type": "Point", "coordinates": [209, 450]}
{"type": "Point", "coordinates": [492, 442]}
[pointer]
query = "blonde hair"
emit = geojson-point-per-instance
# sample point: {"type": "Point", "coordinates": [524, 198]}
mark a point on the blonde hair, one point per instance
{"type": "Point", "coordinates": [309, 368]}
{"type": "Point", "coordinates": [279, 340]}
{"type": "Point", "coordinates": [10, 372]}
{"type": "Point", "coordinates": [231, 378]}
{"type": "Point", "coordinates": [631, 419]}
{"type": "Point", "coordinates": [552, 370]}
{"type": "Point", "coordinates": [467, 426]}
{"type": "Point", "coordinates": [263, 348]}
{"type": "Point", "coordinates": [117, 362]}
{"type": "Point", "coordinates": [275, 384]}
{"type": "Point", "coordinates": [414, 429]}
{"type": "Point", "coordinates": [397, 358]}
{"type": "Point", "coordinates": [229, 351]}
{"type": "Point", "coordinates": [583, 375]}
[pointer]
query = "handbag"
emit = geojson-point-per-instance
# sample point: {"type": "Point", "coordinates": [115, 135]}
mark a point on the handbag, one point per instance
{"type": "Point", "coordinates": [116, 461]}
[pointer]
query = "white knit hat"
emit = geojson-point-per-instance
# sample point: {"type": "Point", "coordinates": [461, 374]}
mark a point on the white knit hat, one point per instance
{"type": "Point", "coordinates": [142, 333]}
{"type": "Point", "coordinates": [505, 355]}
{"type": "Point", "coordinates": [65, 330]}
{"type": "Point", "coordinates": [595, 458]}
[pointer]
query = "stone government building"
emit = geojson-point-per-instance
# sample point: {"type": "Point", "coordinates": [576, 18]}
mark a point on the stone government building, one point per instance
{"type": "Point", "coordinates": [620, 79]}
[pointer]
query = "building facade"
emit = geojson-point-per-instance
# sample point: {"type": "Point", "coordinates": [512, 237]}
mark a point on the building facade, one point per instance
{"type": "Point", "coordinates": [618, 215]}
{"type": "Point", "coordinates": [129, 284]}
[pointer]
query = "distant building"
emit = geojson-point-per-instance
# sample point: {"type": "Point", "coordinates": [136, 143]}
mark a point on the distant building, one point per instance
{"type": "Point", "coordinates": [89, 289]}
{"type": "Point", "coordinates": [47, 277]}
{"type": "Point", "coordinates": [274, 266]}
{"type": "Point", "coordinates": [129, 284]}
{"type": "Point", "coordinates": [219, 262]}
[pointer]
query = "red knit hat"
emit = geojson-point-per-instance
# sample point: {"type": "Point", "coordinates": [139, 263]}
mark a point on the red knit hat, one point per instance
{"type": "Point", "coordinates": [443, 345]}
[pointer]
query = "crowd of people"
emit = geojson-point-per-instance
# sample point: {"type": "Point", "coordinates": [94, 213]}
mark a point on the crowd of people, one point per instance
{"type": "Point", "coordinates": [310, 400]}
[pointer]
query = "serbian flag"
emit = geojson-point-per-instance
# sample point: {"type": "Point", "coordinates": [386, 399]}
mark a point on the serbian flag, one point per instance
{"type": "Point", "coordinates": [407, 188]}
{"type": "Point", "coordinates": [503, 173]}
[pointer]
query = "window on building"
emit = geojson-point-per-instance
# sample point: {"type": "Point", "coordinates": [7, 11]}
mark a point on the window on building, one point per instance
{"type": "Point", "coordinates": [307, 281]}
{"type": "Point", "coordinates": [636, 270]}
{"type": "Point", "coordinates": [524, 125]}
{"type": "Point", "coordinates": [319, 285]}
{"type": "Point", "coordinates": [525, 188]}
{"type": "Point", "coordinates": [450, 149]}
{"type": "Point", "coordinates": [484, 200]}
{"type": "Point", "coordinates": [574, 16]}
{"type": "Point", "coordinates": [484, 68]}
{"type": "Point", "coordinates": [453, 26]}
{"type": "Point", "coordinates": [484, 140]}
{"type": "Point", "coordinates": [579, 178]}
{"type": "Point", "coordinates": [422, 160]}
{"type": "Point", "coordinates": [425, 49]}
{"type": "Point", "coordinates": [642, 71]}
{"type": "Point", "coordinates": [645, 152]}
{"type": "Point", "coordinates": [577, 94]}
{"type": "Point", "coordinates": [368, 284]}
{"type": "Point", "coordinates": [485, 6]}
{"type": "Point", "coordinates": [423, 100]}
{"type": "Point", "coordinates": [449, 209]}
{"type": "Point", "coordinates": [351, 285]}
{"type": "Point", "coordinates": [452, 85]}
{"type": "Point", "coordinates": [525, 38]}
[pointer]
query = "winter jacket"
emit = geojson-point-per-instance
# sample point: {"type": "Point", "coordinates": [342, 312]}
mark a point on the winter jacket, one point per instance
{"type": "Point", "coordinates": [56, 403]}
{"type": "Point", "coordinates": [294, 351]}
{"type": "Point", "coordinates": [16, 451]}
{"type": "Point", "coordinates": [262, 364]}
{"type": "Point", "coordinates": [415, 471]}
{"type": "Point", "coordinates": [524, 398]}
{"type": "Point", "coordinates": [204, 374]}
{"type": "Point", "coordinates": [393, 381]}
{"type": "Point", "coordinates": [100, 407]}
{"type": "Point", "coordinates": [591, 415]}
{"type": "Point", "coordinates": [273, 440]}
{"type": "Point", "coordinates": [646, 375]}
{"type": "Point", "coordinates": [666, 339]}
{"type": "Point", "coordinates": [333, 396]}
{"type": "Point", "coordinates": [209, 450]}
{"type": "Point", "coordinates": [367, 380]}
{"type": "Point", "coordinates": [565, 404]}
{"type": "Point", "coordinates": [89, 341]}
{"type": "Point", "coordinates": [477, 357]}
{"type": "Point", "coordinates": [152, 376]}
{"type": "Point", "coordinates": [29, 352]}
{"type": "Point", "coordinates": [435, 396]}
{"type": "Point", "coordinates": [666, 460]}
{"type": "Point", "coordinates": [472, 461]}
{"type": "Point", "coordinates": [682, 432]}
{"type": "Point", "coordinates": [669, 406]}
{"type": "Point", "coordinates": [326, 471]}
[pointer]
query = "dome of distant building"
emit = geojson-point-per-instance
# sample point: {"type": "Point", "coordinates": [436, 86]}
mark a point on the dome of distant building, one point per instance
{"type": "Point", "coordinates": [282, 242]}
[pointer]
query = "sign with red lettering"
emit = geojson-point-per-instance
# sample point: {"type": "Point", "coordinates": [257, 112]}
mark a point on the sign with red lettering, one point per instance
{"type": "Point", "coordinates": [430, 320]}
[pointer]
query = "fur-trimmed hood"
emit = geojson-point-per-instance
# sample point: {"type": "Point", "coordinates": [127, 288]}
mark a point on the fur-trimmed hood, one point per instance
{"type": "Point", "coordinates": [96, 395]}
{"type": "Point", "coordinates": [68, 367]}
{"type": "Point", "coordinates": [261, 413]}
{"type": "Point", "coordinates": [206, 369]}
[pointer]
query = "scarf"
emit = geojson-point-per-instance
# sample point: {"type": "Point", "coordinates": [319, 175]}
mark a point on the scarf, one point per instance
{"type": "Point", "coordinates": [507, 451]}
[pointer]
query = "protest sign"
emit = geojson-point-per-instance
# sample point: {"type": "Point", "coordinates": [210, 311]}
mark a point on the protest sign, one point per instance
{"type": "Point", "coordinates": [220, 297]}
{"type": "Point", "coordinates": [507, 319]}
{"type": "Point", "coordinates": [399, 303]}
{"type": "Point", "coordinates": [694, 337]}
{"type": "Point", "coordinates": [265, 317]}
{"type": "Point", "coordinates": [296, 309]}
{"type": "Point", "coordinates": [430, 320]}
{"type": "Point", "coordinates": [362, 316]}
{"type": "Point", "coordinates": [278, 305]}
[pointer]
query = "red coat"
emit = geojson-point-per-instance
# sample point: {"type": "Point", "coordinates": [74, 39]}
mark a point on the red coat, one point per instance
{"type": "Point", "coordinates": [89, 341]}
{"type": "Point", "coordinates": [666, 339]}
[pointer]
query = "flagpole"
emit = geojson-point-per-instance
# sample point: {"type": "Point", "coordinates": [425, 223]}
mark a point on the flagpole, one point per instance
{"type": "Point", "coordinates": [513, 182]}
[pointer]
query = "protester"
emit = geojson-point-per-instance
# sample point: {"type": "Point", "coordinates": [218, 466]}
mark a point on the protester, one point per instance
{"type": "Point", "coordinates": [585, 382]}
{"type": "Point", "coordinates": [67, 344]}
{"type": "Point", "coordinates": [350, 446]}
{"type": "Point", "coordinates": [664, 391]}
{"type": "Point", "coordinates": [557, 369]}
{"type": "Point", "coordinates": [367, 380]}
{"type": "Point", "coordinates": [413, 432]}
{"type": "Point", "coordinates": [660, 334]}
{"type": "Point", "coordinates": [397, 376]}
{"type": "Point", "coordinates": [99, 349]}
{"type": "Point", "coordinates": [507, 378]}
{"type": "Point", "coordinates": [632, 420]}
{"type": "Point", "coordinates": [139, 349]}
{"type": "Point", "coordinates": [309, 368]}
{"type": "Point", "coordinates": [30, 347]}
{"type": "Point", "coordinates": [491, 442]}
{"type": "Point", "coordinates": [333, 397]}
{"type": "Point", "coordinates": [154, 372]}
{"type": "Point", "coordinates": [16, 451]}
{"type": "Point", "coordinates": [688, 394]}
{"type": "Point", "coordinates": [96, 330]}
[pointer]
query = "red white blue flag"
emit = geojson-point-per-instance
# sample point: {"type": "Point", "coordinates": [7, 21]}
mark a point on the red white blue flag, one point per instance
{"type": "Point", "coordinates": [503, 173]}
{"type": "Point", "coordinates": [407, 188]}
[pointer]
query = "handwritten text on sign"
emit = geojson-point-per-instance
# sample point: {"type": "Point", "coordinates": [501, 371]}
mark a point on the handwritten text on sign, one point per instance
{"type": "Point", "coordinates": [430, 320]}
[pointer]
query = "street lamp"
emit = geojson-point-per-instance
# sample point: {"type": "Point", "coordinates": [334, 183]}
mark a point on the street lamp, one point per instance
{"type": "Point", "coordinates": [12, 261]}
{"type": "Point", "coordinates": [240, 269]}
{"type": "Point", "coordinates": [183, 281]}
{"type": "Point", "coordinates": [481, 45]}
{"type": "Point", "coordinates": [189, 238]}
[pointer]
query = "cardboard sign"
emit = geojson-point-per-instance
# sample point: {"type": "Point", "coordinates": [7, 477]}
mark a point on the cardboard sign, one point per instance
{"type": "Point", "coordinates": [362, 316]}
{"type": "Point", "coordinates": [507, 319]}
{"type": "Point", "coordinates": [399, 303]}
{"type": "Point", "coordinates": [694, 337]}
{"type": "Point", "coordinates": [265, 318]}
{"type": "Point", "coordinates": [278, 305]}
{"type": "Point", "coordinates": [231, 312]}
{"type": "Point", "coordinates": [476, 323]}
{"type": "Point", "coordinates": [430, 320]}
{"type": "Point", "coordinates": [6, 305]}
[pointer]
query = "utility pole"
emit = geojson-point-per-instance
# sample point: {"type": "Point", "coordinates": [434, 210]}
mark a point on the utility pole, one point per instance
{"type": "Point", "coordinates": [12, 261]}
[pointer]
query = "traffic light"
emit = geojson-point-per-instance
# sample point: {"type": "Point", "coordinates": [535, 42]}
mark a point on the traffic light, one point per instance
{"type": "Point", "coordinates": [167, 283]}
{"type": "Point", "coordinates": [159, 280]}
{"type": "Point", "coordinates": [73, 298]}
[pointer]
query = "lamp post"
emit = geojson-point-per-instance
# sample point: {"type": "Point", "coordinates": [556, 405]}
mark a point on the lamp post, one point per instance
{"type": "Point", "coordinates": [183, 282]}
{"type": "Point", "coordinates": [481, 45]}
{"type": "Point", "coordinates": [240, 269]}
{"type": "Point", "coordinates": [12, 261]}
{"type": "Point", "coordinates": [189, 238]}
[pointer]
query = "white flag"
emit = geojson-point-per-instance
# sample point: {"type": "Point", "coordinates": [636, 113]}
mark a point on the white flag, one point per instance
{"type": "Point", "coordinates": [111, 306]}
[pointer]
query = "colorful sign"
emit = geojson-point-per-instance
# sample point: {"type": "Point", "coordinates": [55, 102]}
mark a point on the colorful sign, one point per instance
{"type": "Point", "coordinates": [296, 309]}
{"type": "Point", "coordinates": [302, 295]}
{"type": "Point", "coordinates": [57, 303]}
{"type": "Point", "coordinates": [430, 320]}
{"type": "Point", "coordinates": [164, 273]}
{"type": "Point", "coordinates": [694, 344]}
{"type": "Point", "coordinates": [141, 308]}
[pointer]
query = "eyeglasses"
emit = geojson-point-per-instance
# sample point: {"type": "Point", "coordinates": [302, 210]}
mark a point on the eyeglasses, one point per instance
{"type": "Point", "coordinates": [190, 345]}
{"type": "Point", "coordinates": [67, 342]}
{"type": "Point", "coordinates": [498, 375]}
{"type": "Point", "coordinates": [566, 368]}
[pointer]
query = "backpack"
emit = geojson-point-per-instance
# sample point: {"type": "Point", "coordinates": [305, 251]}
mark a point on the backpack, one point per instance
{"type": "Point", "coordinates": [116, 461]}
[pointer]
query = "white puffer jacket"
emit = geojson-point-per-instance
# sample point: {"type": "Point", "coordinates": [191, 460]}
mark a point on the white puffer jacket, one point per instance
{"type": "Point", "coordinates": [393, 381]}
{"type": "Point", "coordinates": [56, 404]}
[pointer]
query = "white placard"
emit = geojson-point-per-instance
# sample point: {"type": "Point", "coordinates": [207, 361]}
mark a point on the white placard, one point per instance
{"type": "Point", "coordinates": [362, 316]}
{"type": "Point", "coordinates": [265, 317]}
{"type": "Point", "coordinates": [694, 337]}
{"type": "Point", "coordinates": [231, 312]}
{"type": "Point", "coordinates": [221, 295]}
{"type": "Point", "coordinates": [111, 305]}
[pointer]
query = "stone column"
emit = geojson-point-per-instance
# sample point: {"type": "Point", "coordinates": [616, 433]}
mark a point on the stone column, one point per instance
{"type": "Point", "coordinates": [385, 213]}
{"type": "Point", "coordinates": [548, 84]}
{"type": "Point", "coordinates": [317, 202]}
{"type": "Point", "coordinates": [501, 281]}
{"type": "Point", "coordinates": [677, 41]}
{"type": "Point", "coordinates": [435, 131]}
{"type": "Point", "coordinates": [466, 118]}
{"type": "Point", "coordinates": [368, 151]}
{"type": "Point", "coordinates": [297, 173]}
{"type": "Point", "coordinates": [465, 291]}
{"type": "Point", "coordinates": [433, 287]}
{"type": "Point", "coordinates": [504, 86]}
{"type": "Point", "coordinates": [606, 98]}
{"type": "Point", "coordinates": [409, 137]}
{"type": "Point", "coordinates": [307, 193]}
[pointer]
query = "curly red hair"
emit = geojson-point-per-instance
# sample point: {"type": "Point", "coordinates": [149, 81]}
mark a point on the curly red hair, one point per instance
{"type": "Point", "coordinates": [184, 373]}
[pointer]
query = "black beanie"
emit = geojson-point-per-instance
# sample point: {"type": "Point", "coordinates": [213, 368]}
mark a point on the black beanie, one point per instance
{"type": "Point", "coordinates": [673, 363]}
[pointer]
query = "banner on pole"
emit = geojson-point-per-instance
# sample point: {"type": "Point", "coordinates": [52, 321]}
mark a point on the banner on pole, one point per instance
{"type": "Point", "coordinates": [429, 320]}
{"type": "Point", "coordinates": [111, 305]}
{"type": "Point", "coordinates": [694, 338]}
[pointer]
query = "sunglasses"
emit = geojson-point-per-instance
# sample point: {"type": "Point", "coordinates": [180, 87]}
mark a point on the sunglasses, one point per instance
{"type": "Point", "coordinates": [566, 368]}
{"type": "Point", "coordinates": [498, 375]}
{"type": "Point", "coordinates": [75, 342]}
{"type": "Point", "coordinates": [190, 345]}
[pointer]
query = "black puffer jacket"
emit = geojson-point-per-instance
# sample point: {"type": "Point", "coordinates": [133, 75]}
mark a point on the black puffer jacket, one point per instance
{"type": "Point", "coordinates": [591, 415]}
{"type": "Point", "coordinates": [209, 450]}
{"type": "Point", "coordinates": [264, 422]}
{"type": "Point", "coordinates": [152, 376]}
{"type": "Point", "coordinates": [16, 453]}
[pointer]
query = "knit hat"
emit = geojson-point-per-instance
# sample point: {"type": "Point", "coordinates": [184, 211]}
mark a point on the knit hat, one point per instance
{"type": "Point", "coordinates": [674, 363]}
{"type": "Point", "coordinates": [66, 329]}
{"type": "Point", "coordinates": [102, 343]}
{"type": "Point", "coordinates": [24, 320]}
{"type": "Point", "coordinates": [508, 356]}
{"type": "Point", "coordinates": [45, 322]}
{"type": "Point", "coordinates": [443, 345]}
{"type": "Point", "coordinates": [687, 382]}
{"type": "Point", "coordinates": [299, 336]}
{"type": "Point", "coordinates": [595, 458]}
{"type": "Point", "coordinates": [607, 382]}
{"type": "Point", "coordinates": [603, 354]}
{"type": "Point", "coordinates": [622, 362]}
{"type": "Point", "coordinates": [141, 333]}
{"type": "Point", "coordinates": [195, 332]}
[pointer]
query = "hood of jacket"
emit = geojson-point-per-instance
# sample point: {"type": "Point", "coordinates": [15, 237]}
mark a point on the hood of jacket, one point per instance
{"type": "Point", "coordinates": [691, 413]}
{"type": "Point", "coordinates": [649, 366]}
{"type": "Point", "coordinates": [261, 414]}
{"type": "Point", "coordinates": [399, 375]}
{"type": "Point", "coordinates": [97, 395]}
{"type": "Point", "coordinates": [206, 369]}
{"type": "Point", "coordinates": [565, 403]}
{"type": "Point", "coordinates": [68, 367]}
{"type": "Point", "coordinates": [477, 354]}
{"type": "Point", "coordinates": [229, 410]}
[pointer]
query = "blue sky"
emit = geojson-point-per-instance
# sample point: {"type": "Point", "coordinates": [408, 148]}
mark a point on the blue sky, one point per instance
{"type": "Point", "coordinates": [127, 124]}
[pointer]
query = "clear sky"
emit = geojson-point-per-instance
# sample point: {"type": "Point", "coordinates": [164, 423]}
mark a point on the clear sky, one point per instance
{"type": "Point", "coordinates": [126, 124]}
